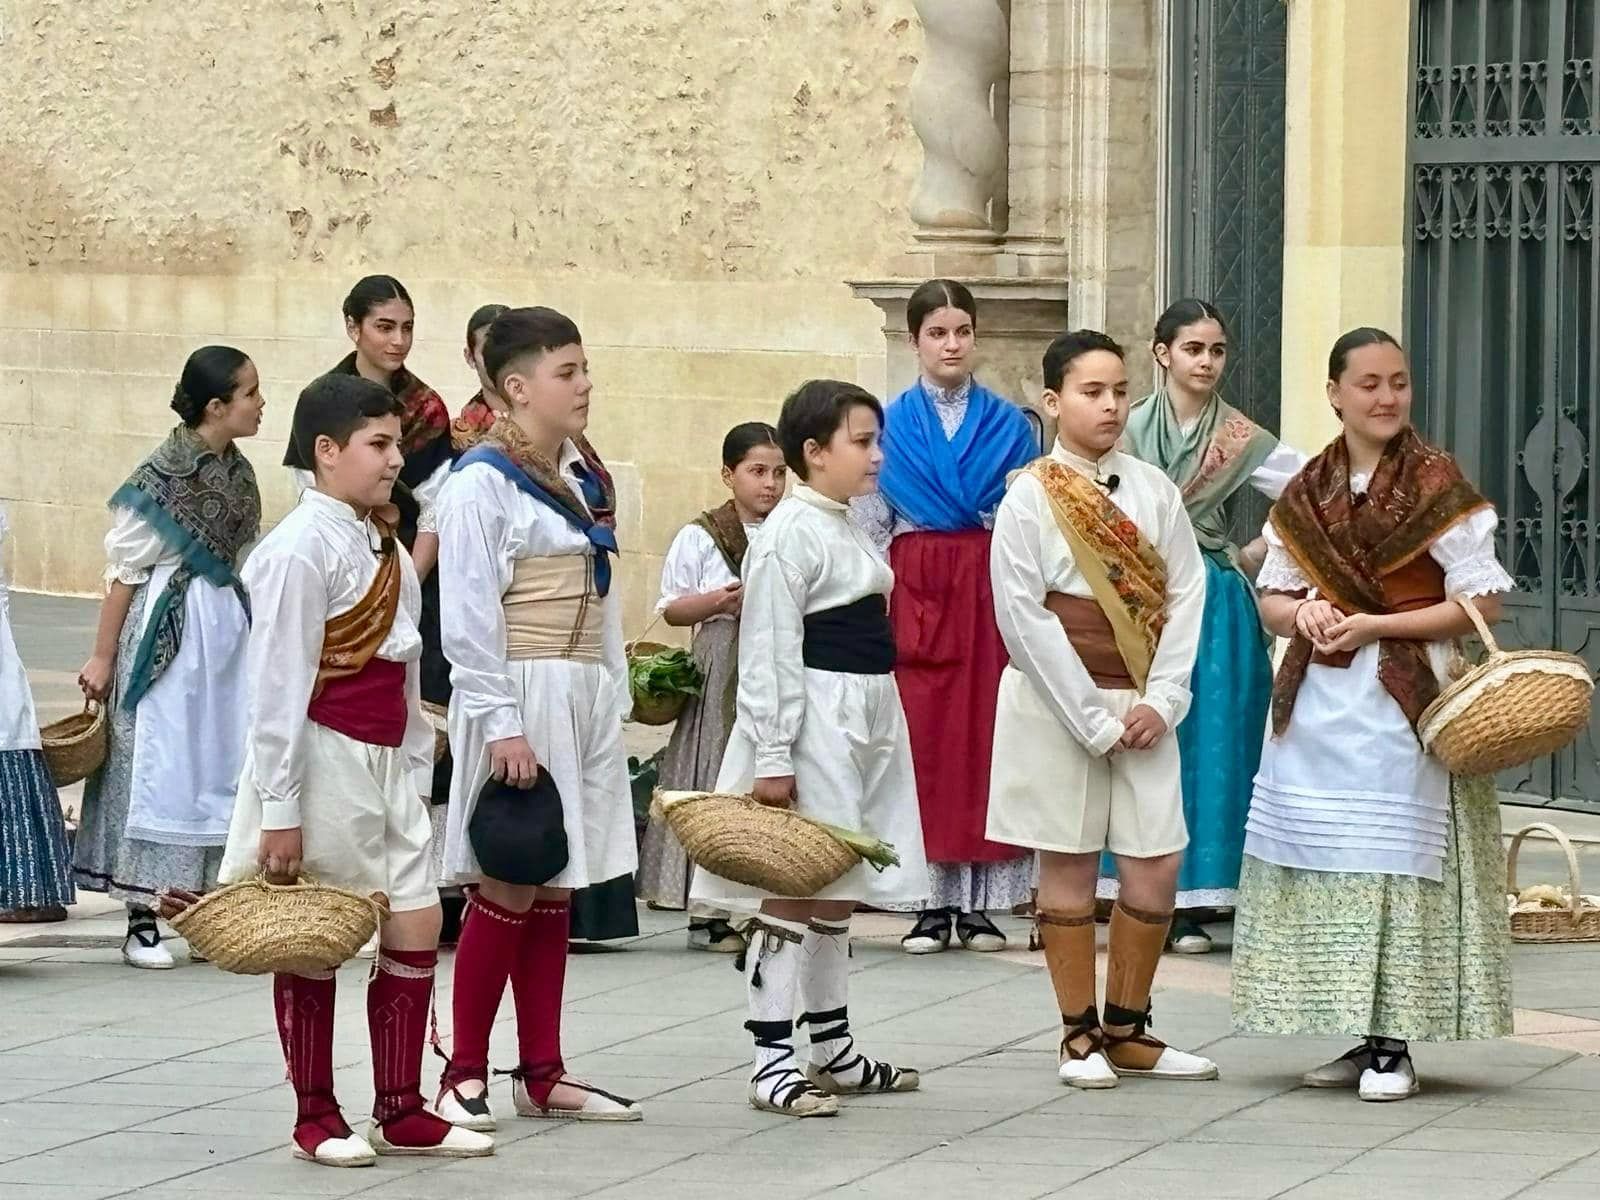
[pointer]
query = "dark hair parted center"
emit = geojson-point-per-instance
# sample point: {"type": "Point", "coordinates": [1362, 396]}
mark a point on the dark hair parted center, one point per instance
{"type": "Point", "coordinates": [337, 406]}
{"type": "Point", "coordinates": [482, 318]}
{"type": "Point", "coordinates": [520, 333]}
{"type": "Point", "coordinates": [930, 297]}
{"type": "Point", "coordinates": [742, 439]}
{"type": "Point", "coordinates": [372, 291]}
{"type": "Point", "coordinates": [1367, 335]}
{"type": "Point", "coordinates": [211, 373]}
{"type": "Point", "coordinates": [1179, 313]}
{"type": "Point", "coordinates": [1068, 347]}
{"type": "Point", "coordinates": [813, 412]}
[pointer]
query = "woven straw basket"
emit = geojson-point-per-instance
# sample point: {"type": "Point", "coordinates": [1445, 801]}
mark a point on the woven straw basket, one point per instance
{"type": "Point", "coordinates": [75, 746]}
{"type": "Point", "coordinates": [438, 715]}
{"type": "Point", "coordinates": [1579, 922]}
{"type": "Point", "coordinates": [260, 928]}
{"type": "Point", "coordinates": [1514, 707]}
{"type": "Point", "coordinates": [772, 849]}
{"type": "Point", "coordinates": [654, 710]}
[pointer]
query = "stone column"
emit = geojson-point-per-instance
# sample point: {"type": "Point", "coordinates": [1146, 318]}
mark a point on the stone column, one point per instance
{"type": "Point", "coordinates": [1035, 242]}
{"type": "Point", "coordinates": [958, 109]}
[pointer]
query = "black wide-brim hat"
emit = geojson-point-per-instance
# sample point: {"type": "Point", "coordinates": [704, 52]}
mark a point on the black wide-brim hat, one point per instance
{"type": "Point", "coordinates": [518, 834]}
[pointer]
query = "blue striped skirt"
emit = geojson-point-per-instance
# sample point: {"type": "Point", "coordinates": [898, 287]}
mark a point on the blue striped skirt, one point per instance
{"type": "Point", "coordinates": [35, 860]}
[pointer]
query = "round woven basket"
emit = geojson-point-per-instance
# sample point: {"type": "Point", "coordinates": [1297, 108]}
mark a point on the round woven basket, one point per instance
{"type": "Point", "coordinates": [260, 928]}
{"type": "Point", "coordinates": [654, 710]}
{"type": "Point", "coordinates": [1577, 923]}
{"type": "Point", "coordinates": [438, 716]}
{"type": "Point", "coordinates": [75, 746]}
{"type": "Point", "coordinates": [772, 849]}
{"type": "Point", "coordinates": [1512, 708]}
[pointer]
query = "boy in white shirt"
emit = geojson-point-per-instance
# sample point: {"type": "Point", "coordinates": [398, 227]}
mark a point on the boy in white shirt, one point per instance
{"type": "Point", "coordinates": [336, 729]}
{"type": "Point", "coordinates": [1099, 591]}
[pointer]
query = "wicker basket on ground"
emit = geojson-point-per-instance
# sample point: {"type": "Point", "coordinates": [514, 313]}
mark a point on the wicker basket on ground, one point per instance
{"type": "Point", "coordinates": [648, 709]}
{"type": "Point", "coordinates": [75, 746]}
{"type": "Point", "coordinates": [1574, 920]}
{"type": "Point", "coordinates": [260, 928]}
{"type": "Point", "coordinates": [772, 849]}
{"type": "Point", "coordinates": [1512, 708]}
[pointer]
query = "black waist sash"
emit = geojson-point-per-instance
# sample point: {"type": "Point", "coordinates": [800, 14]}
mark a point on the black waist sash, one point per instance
{"type": "Point", "coordinates": [854, 639]}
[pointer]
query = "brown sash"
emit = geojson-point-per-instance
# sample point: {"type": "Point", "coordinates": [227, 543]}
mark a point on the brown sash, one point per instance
{"type": "Point", "coordinates": [1125, 572]}
{"type": "Point", "coordinates": [1087, 628]}
{"type": "Point", "coordinates": [350, 639]}
{"type": "Point", "coordinates": [727, 533]}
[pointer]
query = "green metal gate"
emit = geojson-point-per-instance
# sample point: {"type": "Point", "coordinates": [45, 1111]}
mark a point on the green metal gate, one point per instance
{"type": "Point", "coordinates": [1503, 307]}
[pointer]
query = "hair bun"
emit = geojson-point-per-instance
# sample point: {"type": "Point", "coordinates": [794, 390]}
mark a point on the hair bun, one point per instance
{"type": "Point", "coordinates": [181, 404]}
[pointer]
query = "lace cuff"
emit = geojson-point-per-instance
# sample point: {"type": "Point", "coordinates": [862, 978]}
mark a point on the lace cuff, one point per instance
{"type": "Point", "coordinates": [123, 573]}
{"type": "Point", "coordinates": [1279, 572]}
{"type": "Point", "coordinates": [1478, 577]}
{"type": "Point", "coordinates": [428, 519]}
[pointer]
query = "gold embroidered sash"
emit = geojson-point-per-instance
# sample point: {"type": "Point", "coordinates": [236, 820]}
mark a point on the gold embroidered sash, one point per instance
{"type": "Point", "coordinates": [350, 639]}
{"type": "Point", "coordinates": [1125, 573]}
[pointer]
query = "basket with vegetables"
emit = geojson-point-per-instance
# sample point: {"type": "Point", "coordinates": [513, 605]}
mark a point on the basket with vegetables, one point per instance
{"type": "Point", "coordinates": [661, 680]}
{"type": "Point", "coordinates": [773, 849]}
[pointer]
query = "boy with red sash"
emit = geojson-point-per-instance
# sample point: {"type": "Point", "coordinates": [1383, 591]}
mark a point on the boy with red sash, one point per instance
{"type": "Point", "coordinates": [335, 731]}
{"type": "Point", "coordinates": [1099, 593]}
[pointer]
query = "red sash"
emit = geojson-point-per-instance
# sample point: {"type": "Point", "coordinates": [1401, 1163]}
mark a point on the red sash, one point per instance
{"type": "Point", "coordinates": [369, 706]}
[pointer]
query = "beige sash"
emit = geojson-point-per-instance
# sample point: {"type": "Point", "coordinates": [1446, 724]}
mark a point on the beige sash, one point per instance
{"type": "Point", "coordinates": [552, 609]}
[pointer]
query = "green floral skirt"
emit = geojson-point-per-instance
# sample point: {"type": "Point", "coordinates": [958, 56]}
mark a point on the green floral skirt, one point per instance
{"type": "Point", "coordinates": [1328, 953]}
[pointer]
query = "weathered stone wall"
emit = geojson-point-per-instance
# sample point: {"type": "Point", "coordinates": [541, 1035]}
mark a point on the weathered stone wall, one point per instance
{"type": "Point", "coordinates": [689, 179]}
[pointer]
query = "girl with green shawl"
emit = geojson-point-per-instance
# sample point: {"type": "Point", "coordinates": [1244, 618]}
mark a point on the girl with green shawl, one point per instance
{"type": "Point", "coordinates": [169, 655]}
{"type": "Point", "coordinates": [1211, 450]}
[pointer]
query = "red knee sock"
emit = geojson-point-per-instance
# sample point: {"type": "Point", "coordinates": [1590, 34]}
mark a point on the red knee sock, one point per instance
{"type": "Point", "coordinates": [491, 939]}
{"type": "Point", "coordinates": [538, 978]}
{"type": "Point", "coordinates": [398, 1000]}
{"type": "Point", "coordinates": [304, 1009]}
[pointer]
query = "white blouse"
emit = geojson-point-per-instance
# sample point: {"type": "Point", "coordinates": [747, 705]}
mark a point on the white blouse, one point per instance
{"type": "Point", "coordinates": [1029, 558]}
{"type": "Point", "coordinates": [316, 563]}
{"type": "Point", "coordinates": [1277, 469]}
{"type": "Point", "coordinates": [807, 557]}
{"type": "Point", "coordinates": [486, 523]}
{"type": "Point", "coordinates": [694, 566]}
{"type": "Point", "coordinates": [134, 549]}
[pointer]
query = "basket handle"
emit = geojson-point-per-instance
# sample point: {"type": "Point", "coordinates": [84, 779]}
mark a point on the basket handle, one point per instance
{"type": "Point", "coordinates": [1478, 623]}
{"type": "Point", "coordinates": [1573, 879]}
{"type": "Point", "coordinates": [654, 621]}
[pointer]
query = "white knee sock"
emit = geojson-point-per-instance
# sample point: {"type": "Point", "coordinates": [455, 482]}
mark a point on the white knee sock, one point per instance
{"type": "Point", "coordinates": [772, 977]}
{"type": "Point", "coordinates": [825, 990]}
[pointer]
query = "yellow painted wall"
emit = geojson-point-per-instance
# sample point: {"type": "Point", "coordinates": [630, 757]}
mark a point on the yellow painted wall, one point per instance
{"type": "Point", "coordinates": [1345, 189]}
{"type": "Point", "coordinates": [690, 179]}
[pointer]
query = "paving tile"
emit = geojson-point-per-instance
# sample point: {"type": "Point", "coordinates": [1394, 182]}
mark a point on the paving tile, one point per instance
{"type": "Point", "coordinates": [954, 1179]}
{"type": "Point", "coordinates": [1449, 1165]}
{"type": "Point", "coordinates": [1366, 1186]}
{"type": "Point", "coordinates": [1129, 1183]}
{"type": "Point", "coordinates": [1554, 1147]}
{"type": "Point", "coordinates": [1586, 1170]}
{"type": "Point", "coordinates": [1245, 1130]}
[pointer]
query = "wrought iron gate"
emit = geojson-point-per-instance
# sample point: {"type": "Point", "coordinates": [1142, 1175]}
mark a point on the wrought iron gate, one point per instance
{"type": "Point", "coordinates": [1504, 306]}
{"type": "Point", "coordinates": [1225, 211]}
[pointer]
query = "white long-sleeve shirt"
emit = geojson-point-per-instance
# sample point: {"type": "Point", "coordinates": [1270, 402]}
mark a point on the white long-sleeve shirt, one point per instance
{"type": "Point", "coordinates": [317, 563]}
{"type": "Point", "coordinates": [694, 566]}
{"type": "Point", "coordinates": [485, 524]}
{"type": "Point", "coordinates": [807, 557]}
{"type": "Point", "coordinates": [1029, 558]}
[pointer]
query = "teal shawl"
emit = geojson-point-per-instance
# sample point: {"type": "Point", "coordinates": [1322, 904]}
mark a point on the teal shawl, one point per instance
{"type": "Point", "coordinates": [1209, 463]}
{"type": "Point", "coordinates": [204, 505]}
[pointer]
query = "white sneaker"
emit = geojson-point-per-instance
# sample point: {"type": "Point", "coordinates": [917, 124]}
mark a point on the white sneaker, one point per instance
{"type": "Point", "coordinates": [716, 937]}
{"type": "Point", "coordinates": [1189, 938]}
{"type": "Point", "coordinates": [1090, 1073]}
{"type": "Point", "coordinates": [137, 951]}
{"type": "Point", "coordinates": [466, 1112]}
{"type": "Point", "coordinates": [1343, 1072]}
{"type": "Point", "coordinates": [352, 1151]}
{"type": "Point", "coordinates": [1378, 1087]}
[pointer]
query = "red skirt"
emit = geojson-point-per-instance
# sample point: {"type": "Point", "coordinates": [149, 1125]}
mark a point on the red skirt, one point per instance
{"type": "Point", "coordinates": [949, 657]}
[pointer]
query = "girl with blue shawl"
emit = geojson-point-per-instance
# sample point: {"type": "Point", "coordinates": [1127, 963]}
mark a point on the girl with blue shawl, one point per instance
{"type": "Point", "coordinates": [1211, 451]}
{"type": "Point", "coordinates": [169, 654]}
{"type": "Point", "coordinates": [948, 444]}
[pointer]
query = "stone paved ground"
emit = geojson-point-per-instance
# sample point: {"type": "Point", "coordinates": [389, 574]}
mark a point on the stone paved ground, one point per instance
{"type": "Point", "coordinates": [169, 1086]}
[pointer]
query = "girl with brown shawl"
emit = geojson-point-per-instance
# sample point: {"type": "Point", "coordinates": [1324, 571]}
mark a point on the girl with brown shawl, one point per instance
{"type": "Point", "coordinates": [701, 588]}
{"type": "Point", "coordinates": [1372, 895]}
